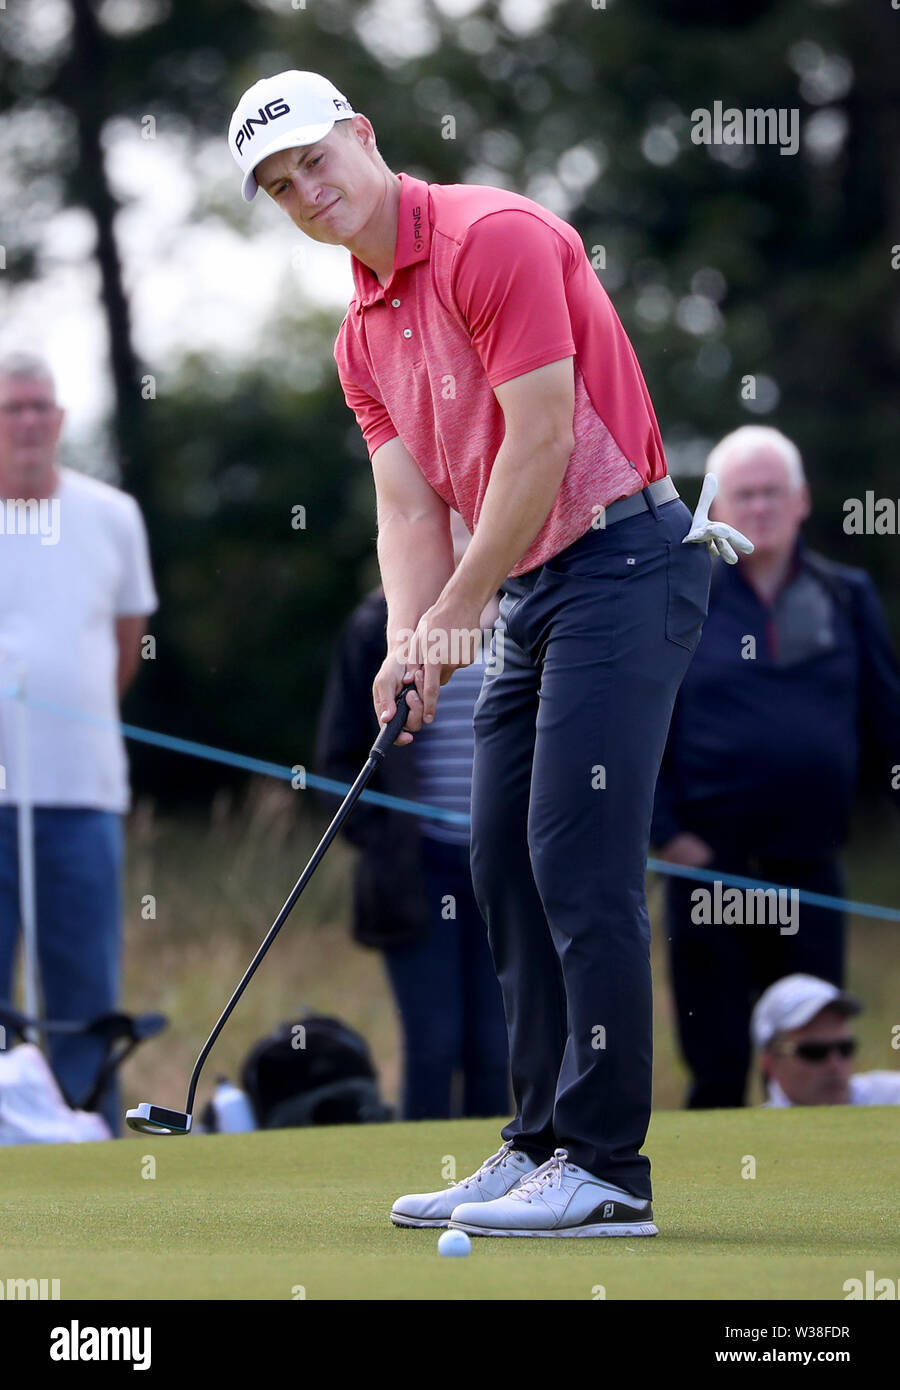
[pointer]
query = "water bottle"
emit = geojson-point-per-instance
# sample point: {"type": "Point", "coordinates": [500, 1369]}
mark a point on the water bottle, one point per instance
{"type": "Point", "coordinates": [232, 1109]}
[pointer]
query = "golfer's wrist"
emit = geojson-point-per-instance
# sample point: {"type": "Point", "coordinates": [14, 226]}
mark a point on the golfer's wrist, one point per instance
{"type": "Point", "coordinates": [472, 586]}
{"type": "Point", "coordinates": [398, 641]}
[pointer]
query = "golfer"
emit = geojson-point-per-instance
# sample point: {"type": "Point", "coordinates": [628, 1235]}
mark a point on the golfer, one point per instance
{"type": "Point", "coordinates": [489, 374]}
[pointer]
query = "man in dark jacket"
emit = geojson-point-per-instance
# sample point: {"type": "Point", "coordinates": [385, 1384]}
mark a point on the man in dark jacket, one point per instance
{"type": "Point", "coordinates": [389, 841]}
{"type": "Point", "coordinates": [793, 685]}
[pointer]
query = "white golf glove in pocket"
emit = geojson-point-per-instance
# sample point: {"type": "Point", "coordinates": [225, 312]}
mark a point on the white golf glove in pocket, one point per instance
{"type": "Point", "coordinates": [719, 539]}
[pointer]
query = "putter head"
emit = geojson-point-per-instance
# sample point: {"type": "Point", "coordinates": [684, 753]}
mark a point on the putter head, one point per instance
{"type": "Point", "coordinates": [156, 1119]}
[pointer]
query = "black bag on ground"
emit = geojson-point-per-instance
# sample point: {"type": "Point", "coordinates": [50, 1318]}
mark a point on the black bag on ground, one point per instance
{"type": "Point", "coordinates": [314, 1071]}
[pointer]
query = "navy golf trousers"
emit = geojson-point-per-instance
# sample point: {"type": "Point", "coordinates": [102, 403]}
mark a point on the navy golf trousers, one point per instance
{"type": "Point", "coordinates": [570, 727]}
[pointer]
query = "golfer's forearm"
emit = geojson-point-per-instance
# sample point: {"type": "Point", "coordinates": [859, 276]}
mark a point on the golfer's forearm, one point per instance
{"type": "Point", "coordinates": [416, 560]}
{"type": "Point", "coordinates": [523, 486]}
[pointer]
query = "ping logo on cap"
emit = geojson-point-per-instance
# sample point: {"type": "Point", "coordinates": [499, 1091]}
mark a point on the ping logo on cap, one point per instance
{"type": "Point", "coordinates": [270, 112]}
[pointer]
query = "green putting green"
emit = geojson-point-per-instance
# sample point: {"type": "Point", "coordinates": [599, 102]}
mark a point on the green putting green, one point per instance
{"type": "Point", "coordinates": [304, 1213]}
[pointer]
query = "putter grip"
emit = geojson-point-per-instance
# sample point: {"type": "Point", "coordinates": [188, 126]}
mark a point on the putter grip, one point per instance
{"type": "Point", "coordinates": [394, 726]}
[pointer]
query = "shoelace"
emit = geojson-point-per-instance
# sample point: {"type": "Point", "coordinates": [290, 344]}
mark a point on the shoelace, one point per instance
{"type": "Point", "coordinates": [554, 1168]}
{"type": "Point", "coordinates": [489, 1164]}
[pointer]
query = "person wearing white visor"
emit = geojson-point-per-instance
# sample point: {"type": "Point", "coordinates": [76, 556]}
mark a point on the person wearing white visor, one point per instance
{"type": "Point", "coordinates": [800, 1027]}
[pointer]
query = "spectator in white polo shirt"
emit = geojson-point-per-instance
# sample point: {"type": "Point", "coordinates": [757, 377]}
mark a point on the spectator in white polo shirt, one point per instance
{"type": "Point", "coordinates": [75, 591]}
{"type": "Point", "coordinates": [806, 1047]}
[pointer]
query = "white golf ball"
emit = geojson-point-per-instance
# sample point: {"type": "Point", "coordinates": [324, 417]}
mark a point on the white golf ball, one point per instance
{"type": "Point", "coordinates": [454, 1243]}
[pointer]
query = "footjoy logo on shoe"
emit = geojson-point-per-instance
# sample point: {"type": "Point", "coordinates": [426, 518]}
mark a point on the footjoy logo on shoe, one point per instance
{"type": "Point", "coordinates": [608, 1209]}
{"type": "Point", "coordinates": [77, 1343]}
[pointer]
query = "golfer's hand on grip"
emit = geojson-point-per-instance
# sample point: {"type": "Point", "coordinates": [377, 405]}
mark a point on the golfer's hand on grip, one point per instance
{"type": "Point", "coordinates": [385, 689]}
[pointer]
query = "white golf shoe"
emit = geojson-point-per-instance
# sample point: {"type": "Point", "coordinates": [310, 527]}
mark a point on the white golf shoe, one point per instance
{"type": "Point", "coordinates": [493, 1179]}
{"type": "Point", "coordinates": [558, 1199]}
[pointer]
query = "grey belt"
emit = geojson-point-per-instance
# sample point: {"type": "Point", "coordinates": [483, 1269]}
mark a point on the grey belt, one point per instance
{"type": "Point", "coordinates": [662, 491]}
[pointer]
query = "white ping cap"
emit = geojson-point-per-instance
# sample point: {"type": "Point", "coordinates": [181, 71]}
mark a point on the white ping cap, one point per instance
{"type": "Point", "coordinates": [277, 113]}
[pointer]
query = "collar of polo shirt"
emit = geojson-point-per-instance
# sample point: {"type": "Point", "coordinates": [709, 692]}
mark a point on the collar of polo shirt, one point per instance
{"type": "Point", "coordinates": [413, 241]}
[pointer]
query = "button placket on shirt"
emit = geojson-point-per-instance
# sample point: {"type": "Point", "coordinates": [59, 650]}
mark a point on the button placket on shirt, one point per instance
{"type": "Point", "coordinates": [395, 304]}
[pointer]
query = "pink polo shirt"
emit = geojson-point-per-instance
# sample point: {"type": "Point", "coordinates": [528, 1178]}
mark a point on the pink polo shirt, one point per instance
{"type": "Point", "coordinates": [488, 285]}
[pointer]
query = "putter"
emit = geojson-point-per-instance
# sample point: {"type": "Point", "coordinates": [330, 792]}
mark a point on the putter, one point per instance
{"type": "Point", "coordinates": [157, 1119]}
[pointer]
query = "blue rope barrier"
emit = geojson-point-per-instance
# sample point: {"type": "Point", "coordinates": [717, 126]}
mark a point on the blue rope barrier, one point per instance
{"type": "Point", "coordinates": [888, 914]}
{"type": "Point", "coordinates": [192, 749]}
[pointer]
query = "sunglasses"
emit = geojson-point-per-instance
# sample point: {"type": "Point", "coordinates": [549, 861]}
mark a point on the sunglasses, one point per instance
{"type": "Point", "coordinates": [818, 1051]}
